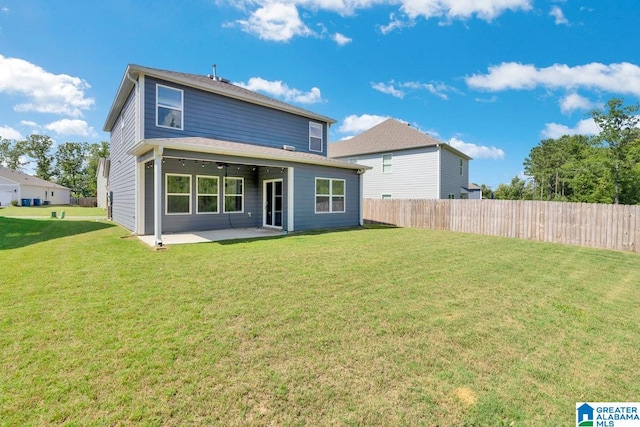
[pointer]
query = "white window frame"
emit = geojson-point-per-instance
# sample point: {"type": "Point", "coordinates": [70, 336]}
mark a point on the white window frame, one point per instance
{"type": "Point", "coordinates": [386, 197]}
{"type": "Point", "coordinates": [170, 107]}
{"type": "Point", "coordinates": [387, 166]}
{"type": "Point", "coordinates": [316, 126]}
{"type": "Point", "coordinates": [241, 195]}
{"type": "Point", "coordinates": [167, 194]}
{"type": "Point", "coordinates": [217, 194]}
{"type": "Point", "coordinates": [330, 195]}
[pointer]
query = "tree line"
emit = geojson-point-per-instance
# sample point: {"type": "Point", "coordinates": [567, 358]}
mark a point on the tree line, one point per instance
{"type": "Point", "coordinates": [71, 164]}
{"type": "Point", "coordinates": [604, 168]}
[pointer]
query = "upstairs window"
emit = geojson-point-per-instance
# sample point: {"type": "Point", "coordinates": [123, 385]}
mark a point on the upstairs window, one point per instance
{"type": "Point", "coordinates": [169, 107]}
{"type": "Point", "coordinates": [461, 167]}
{"type": "Point", "coordinates": [315, 137]}
{"type": "Point", "coordinates": [387, 165]}
{"type": "Point", "coordinates": [330, 194]}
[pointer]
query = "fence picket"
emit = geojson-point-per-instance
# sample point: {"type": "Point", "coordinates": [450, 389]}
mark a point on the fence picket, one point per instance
{"type": "Point", "coordinates": [582, 224]}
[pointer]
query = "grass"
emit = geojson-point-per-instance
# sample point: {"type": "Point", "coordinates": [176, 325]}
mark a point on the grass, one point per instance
{"type": "Point", "coordinates": [362, 327]}
{"type": "Point", "coordinates": [45, 211]}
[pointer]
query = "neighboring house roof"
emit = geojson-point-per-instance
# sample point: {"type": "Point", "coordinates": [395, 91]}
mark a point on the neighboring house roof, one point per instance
{"type": "Point", "coordinates": [25, 179]}
{"type": "Point", "coordinates": [206, 83]}
{"type": "Point", "coordinates": [474, 187]}
{"type": "Point", "coordinates": [216, 146]}
{"type": "Point", "coordinates": [390, 135]}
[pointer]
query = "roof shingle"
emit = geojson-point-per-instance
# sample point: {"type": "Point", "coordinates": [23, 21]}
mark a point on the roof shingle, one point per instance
{"type": "Point", "coordinates": [389, 135]}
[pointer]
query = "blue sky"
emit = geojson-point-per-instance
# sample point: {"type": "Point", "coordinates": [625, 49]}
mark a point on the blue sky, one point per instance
{"type": "Point", "coordinates": [490, 77]}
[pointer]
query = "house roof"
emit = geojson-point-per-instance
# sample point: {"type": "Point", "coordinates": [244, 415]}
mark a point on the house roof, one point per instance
{"type": "Point", "coordinates": [390, 135]}
{"type": "Point", "coordinates": [25, 179]}
{"type": "Point", "coordinates": [249, 151]}
{"type": "Point", "coordinates": [202, 82]}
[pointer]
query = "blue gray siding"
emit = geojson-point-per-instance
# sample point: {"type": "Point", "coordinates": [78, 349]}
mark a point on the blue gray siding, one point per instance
{"type": "Point", "coordinates": [304, 199]}
{"type": "Point", "coordinates": [304, 177]}
{"type": "Point", "coordinates": [215, 116]}
{"type": "Point", "coordinates": [194, 221]}
{"type": "Point", "coordinates": [123, 166]}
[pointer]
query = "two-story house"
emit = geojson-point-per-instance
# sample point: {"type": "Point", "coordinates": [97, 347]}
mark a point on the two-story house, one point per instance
{"type": "Point", "coordinates": [195, 152]}
{"type": "Point", "coordinates": [405, 163]}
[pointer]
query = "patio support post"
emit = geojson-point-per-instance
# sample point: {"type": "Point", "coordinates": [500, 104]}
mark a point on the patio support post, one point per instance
{"type": "Point", "coordinates": [290, 201]}
{"type": "Point", "coordinates": [361, 178]}
{"type": "Point", "coordinates": [157, 195]}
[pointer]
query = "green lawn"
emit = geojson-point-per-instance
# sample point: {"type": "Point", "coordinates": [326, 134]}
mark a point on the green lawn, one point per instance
{"type": "Point", "coordinates": [45, 211]}
{"type": "Point", "coordinates": [377, 326]}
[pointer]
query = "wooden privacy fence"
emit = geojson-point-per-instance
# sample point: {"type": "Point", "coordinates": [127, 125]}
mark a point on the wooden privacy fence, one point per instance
{"type": "Point", "coordinates": [582, 224]}
{"type": "Point", "coordinates": [85, 202]}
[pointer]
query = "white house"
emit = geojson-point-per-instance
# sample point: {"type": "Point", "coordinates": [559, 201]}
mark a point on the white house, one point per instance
{"type": "Point", "coordinates": [102, 187]}
{"type": "Point", "coordinates": [16, 185]}
{"type": "Point", "coordinates": [406, 163]}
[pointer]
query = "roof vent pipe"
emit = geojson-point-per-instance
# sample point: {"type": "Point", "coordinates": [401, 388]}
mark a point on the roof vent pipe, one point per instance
{"type": "Point", "coordinates": [215, 74]}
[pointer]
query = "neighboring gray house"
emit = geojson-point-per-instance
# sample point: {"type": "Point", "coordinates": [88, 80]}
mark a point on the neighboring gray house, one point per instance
{"type": "Point", "coordinates": [195, 152]}
{"type": "Point", "coordinates": [16, 185]}
{"type": "Point", "coordinates": [405, 163]}
{"type": "Point", "coordinates": [475, 192]}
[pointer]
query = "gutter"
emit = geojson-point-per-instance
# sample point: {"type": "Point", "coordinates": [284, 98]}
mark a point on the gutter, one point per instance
{"type": "Point", "coordinates": [144, 146]}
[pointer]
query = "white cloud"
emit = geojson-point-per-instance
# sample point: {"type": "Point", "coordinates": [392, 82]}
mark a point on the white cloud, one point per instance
{"type": "Point", "coordinates": [618, 78]}
{"type": "Point", "coordinates": [71, 127]}
{"type": "Point", "coordinates": [281, 90]}
{"type": "Point", "coordinates": [395, 24]}
{"type": "Point", "coordinates": [341, 39]}
{"type": "Point", "coordinates": [8, 132]}
{"type": "Point", "coordinates": [462, 9]}
{"type": "Point", "coordinates": [276, 21]}
{"type": "Point", "coordinates": [5, 9]}
{"type": "Point", "coordinates": [573, 102]}
{"type": "Point", "coordinates": [28, 123]}
{"type": "Point", "coordinates": [557, 13]}
{"type": "Point", "coordinates": [388, 89]}
{"type": "Point", "coordinates": [491, 100]}
{"type": "Point", "coordinates": [394, 88]}
{"type": "Point", "coordinates": [44, 92]}
{"type": "Point", "coordinates": [438, 89]}
{"type": "Point", "coordinates": [279, 20]}
{"type": "Point", "coordinates": [356, 124]}
{"type": "Point", "coordinates": [583, 127]}
{"type": "Point", "coordinates": [476, 151]}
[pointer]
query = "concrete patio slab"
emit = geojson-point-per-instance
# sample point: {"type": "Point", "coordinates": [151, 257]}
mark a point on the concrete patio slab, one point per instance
{"type": "Point", "coordinates": [212, 236]}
